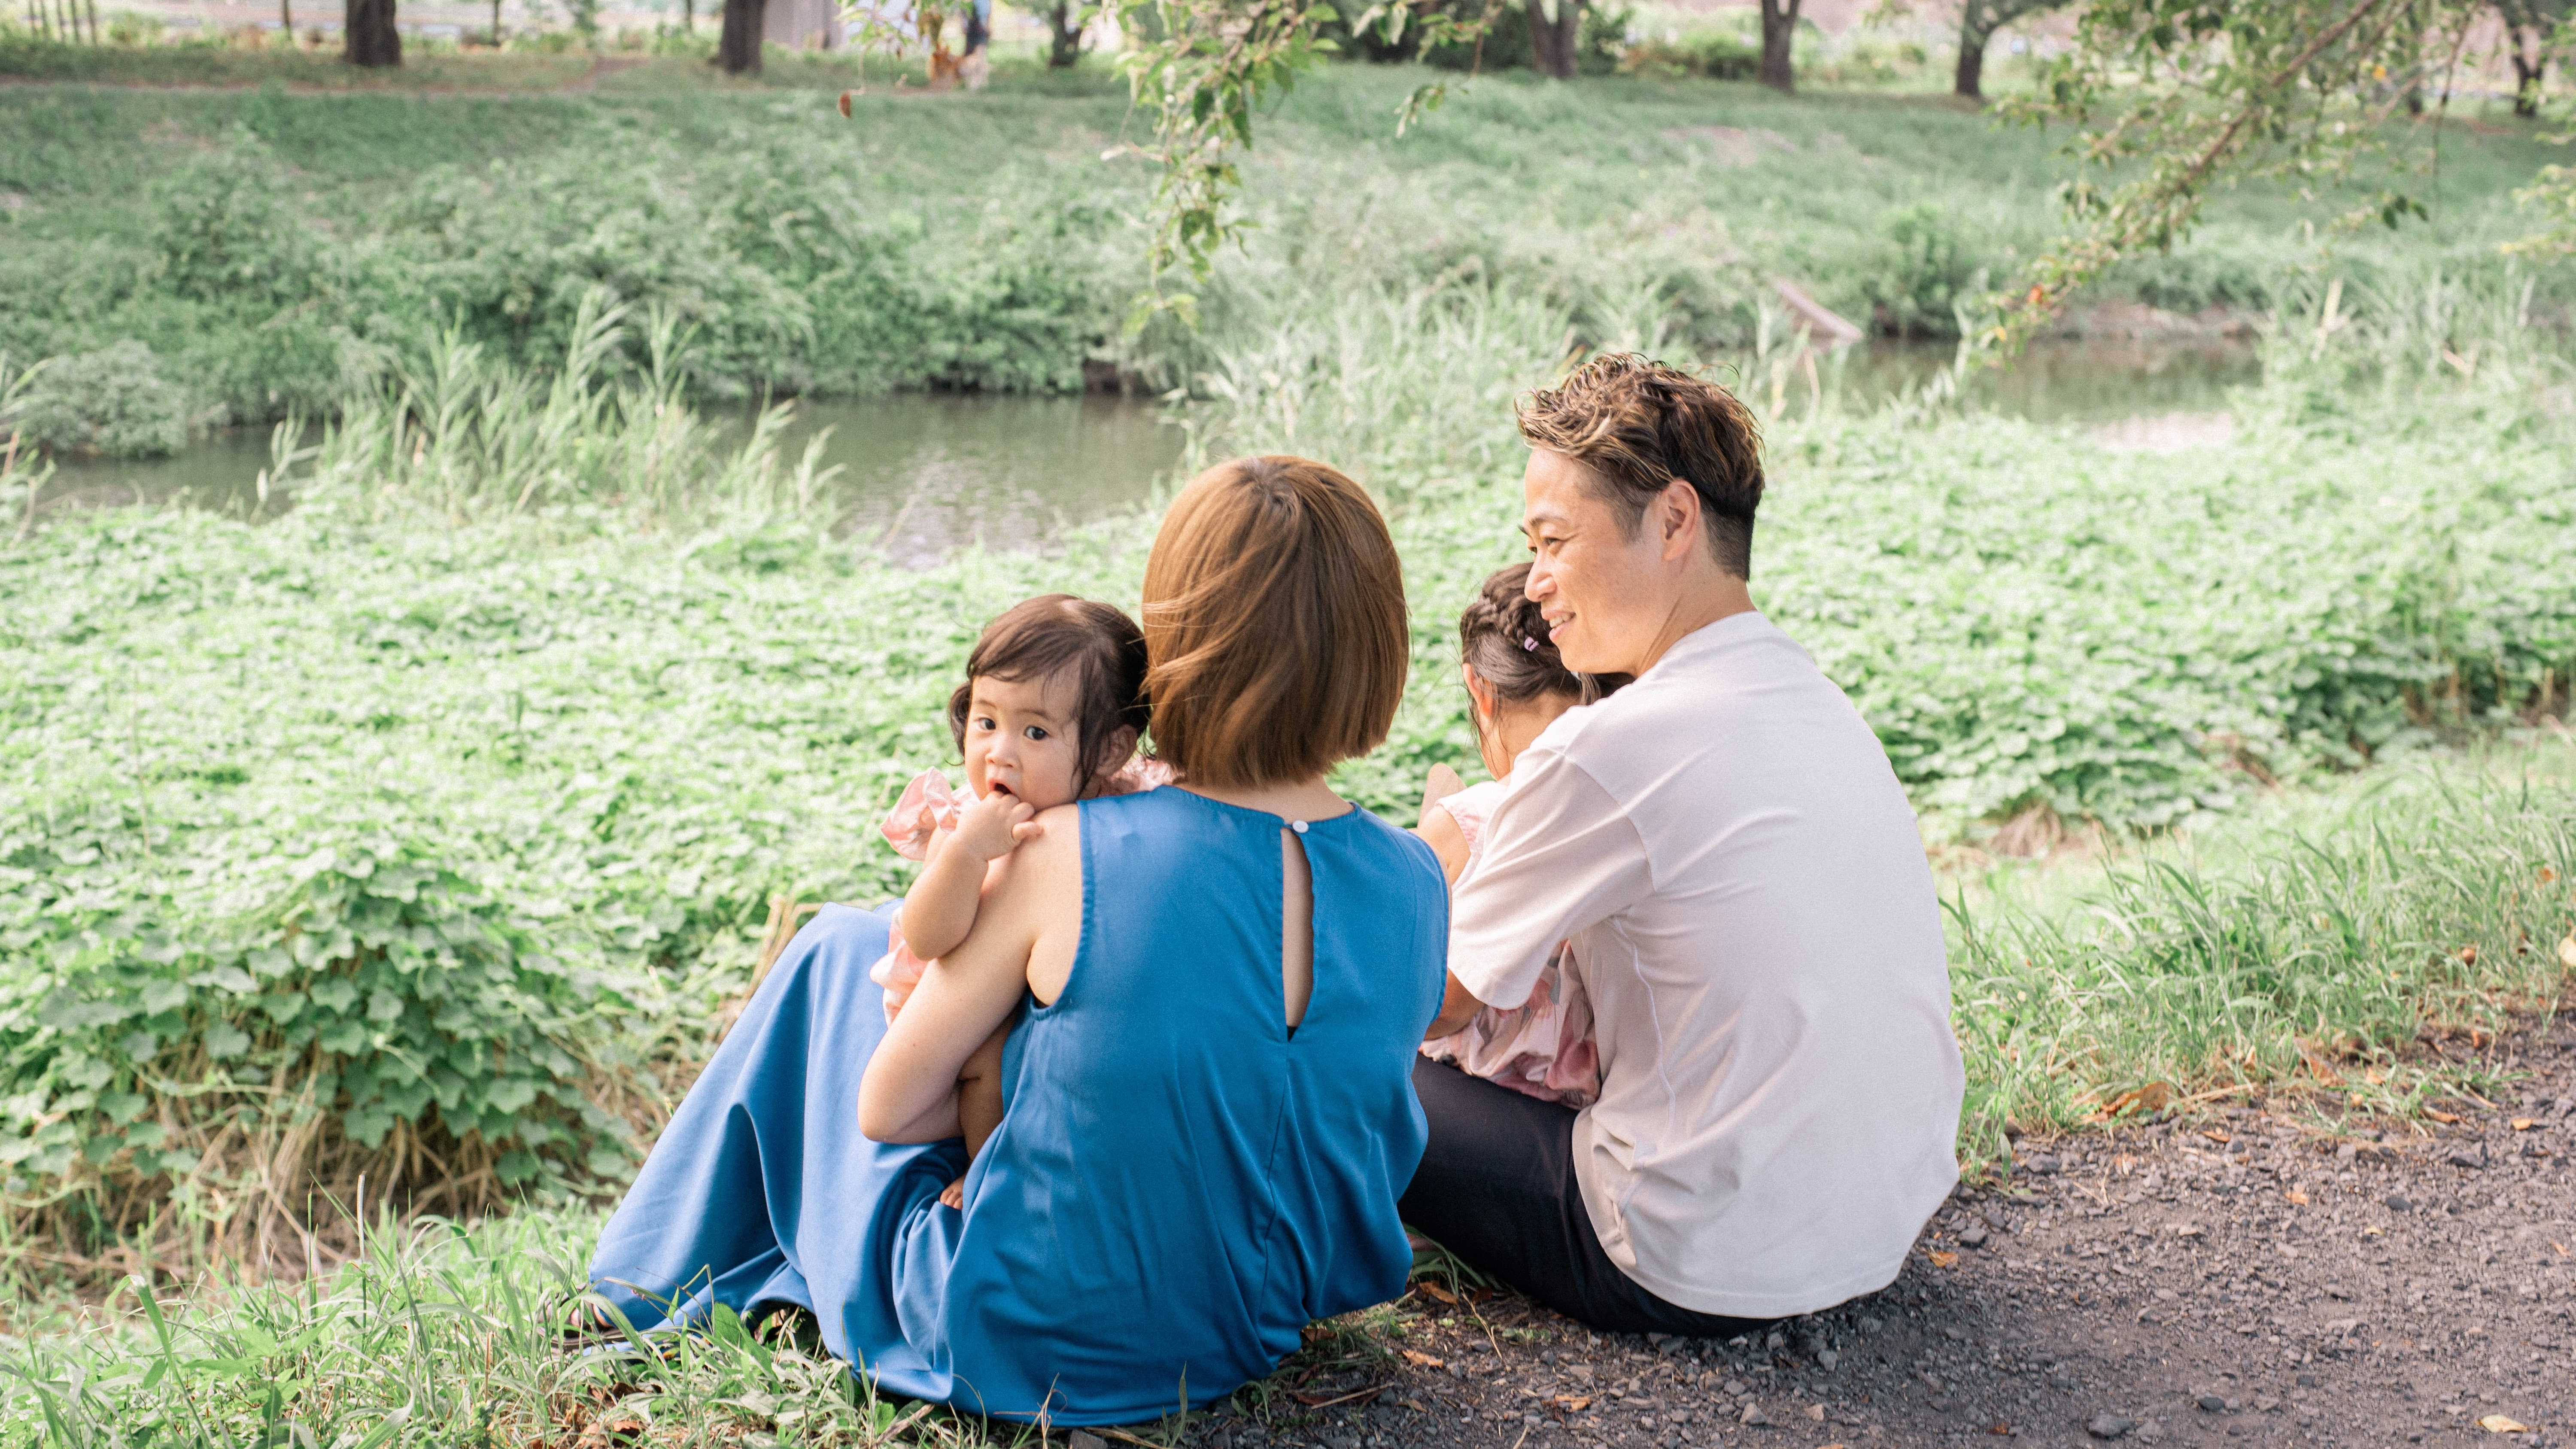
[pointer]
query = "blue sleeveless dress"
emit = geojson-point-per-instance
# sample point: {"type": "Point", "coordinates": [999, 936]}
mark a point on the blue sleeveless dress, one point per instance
{"type": "Point", "coordinates": [1180, 1183]}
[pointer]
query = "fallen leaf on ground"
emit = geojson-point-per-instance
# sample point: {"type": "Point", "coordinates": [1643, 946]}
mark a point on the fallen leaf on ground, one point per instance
{"type": "Point", "coordinates": [2216, 1134]}
{"type": "Point", "coordinates": [2150, 1098]}
{"type": "Point", "coordinates": [1436, 1291]}
{"type": "Point", "coordinates": [1419, 1359]}
{"type": "Point", "coordinates": [1943, 1260]}
{"type": "Point", "coordinates": [2499, 1424]}
{"type": "Point", "coordinates": [1575, 1403]}
{"type": "Point", "coordinates": [2317, 1067]}
{"type": "Point", "coordinates": [2523, 1124]}
{"type": "Point", "coordinates": [2561, 1247]}
{"type": "Point", "coordinates": [2567, 951]}
{"type": "Point", "coordinates": [2441, 1116]}
{"type": "Point", "coordinates": [2296, 1196]}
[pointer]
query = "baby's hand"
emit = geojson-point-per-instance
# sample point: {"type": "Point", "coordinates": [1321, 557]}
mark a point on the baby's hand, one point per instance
{"type": "Point", "coordinates": [994, 826]}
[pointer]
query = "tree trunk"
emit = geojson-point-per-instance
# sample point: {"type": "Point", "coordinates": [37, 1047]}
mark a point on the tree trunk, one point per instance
{"type": "Point", "coordinates": [368, 36]}
{"type": "Point", "coordinates": [1064, 35]}
{"type": "Point", "coordinates": [1779, 27]}
{"type": "Point", "coordinates": [1553, 42]}
{"type": "Point", "coordinates": [2530, 65]}
{"type": "Point", "coordinates": [1972, 64]}
{"type": "Point", "coordinates": [738, 47]}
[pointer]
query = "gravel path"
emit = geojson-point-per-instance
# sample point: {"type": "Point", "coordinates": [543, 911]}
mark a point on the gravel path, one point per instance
{"type": "Point", "coordinates": [2250, 1276]}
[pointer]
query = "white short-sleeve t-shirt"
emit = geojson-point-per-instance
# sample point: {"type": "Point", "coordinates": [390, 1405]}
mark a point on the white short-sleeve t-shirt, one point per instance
{"type": "Point", "coordinates": [1742, 878]}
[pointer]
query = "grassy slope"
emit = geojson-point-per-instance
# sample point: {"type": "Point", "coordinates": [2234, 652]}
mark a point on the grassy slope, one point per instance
{"type": "Point", "coordinates": [1609, 193]}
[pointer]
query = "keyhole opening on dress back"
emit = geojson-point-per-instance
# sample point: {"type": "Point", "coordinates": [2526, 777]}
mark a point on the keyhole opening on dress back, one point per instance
{"type": "Point", "coordinates": [1296, 928]}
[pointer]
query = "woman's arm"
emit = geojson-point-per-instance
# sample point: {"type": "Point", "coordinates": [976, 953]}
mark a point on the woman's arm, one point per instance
{"type": "Point", "coordinates": [1458, 1006]}
{"type": "Point", "coordinates": [909, 1093]}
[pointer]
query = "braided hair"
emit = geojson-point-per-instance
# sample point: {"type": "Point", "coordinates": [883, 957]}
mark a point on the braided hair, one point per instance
{"type": "Point", "coordinates": [1503, 638]}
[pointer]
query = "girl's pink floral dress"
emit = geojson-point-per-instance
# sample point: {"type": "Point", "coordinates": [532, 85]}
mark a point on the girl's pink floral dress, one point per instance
{"type": "Point", "coordinates": [1542, 1047]}
{"type": "Point", "coordinates": [898, 970]}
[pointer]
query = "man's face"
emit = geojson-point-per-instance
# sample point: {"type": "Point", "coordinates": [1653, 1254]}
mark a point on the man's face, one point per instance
{"type": "Point", "coordinates": [1599, 584]}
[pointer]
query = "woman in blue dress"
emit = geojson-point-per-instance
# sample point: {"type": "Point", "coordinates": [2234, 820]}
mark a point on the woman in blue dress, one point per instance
{"type": "Point", "coordinates": [1216, 991]}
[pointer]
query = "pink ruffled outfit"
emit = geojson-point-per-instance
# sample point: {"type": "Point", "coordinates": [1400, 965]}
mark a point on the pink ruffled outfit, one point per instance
{"type": "Point", "coordinates": [898, 970]}
{"type": "Point", "coordinates": [1542, 1047]}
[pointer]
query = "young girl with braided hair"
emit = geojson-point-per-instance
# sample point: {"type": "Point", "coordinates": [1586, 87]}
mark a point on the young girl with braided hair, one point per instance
{"type": "Point", "coordinates": [1516, 687]}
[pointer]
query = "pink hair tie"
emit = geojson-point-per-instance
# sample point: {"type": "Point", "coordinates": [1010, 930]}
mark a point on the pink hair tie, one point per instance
{"type": "Point", "coordinates": [1528, 643]}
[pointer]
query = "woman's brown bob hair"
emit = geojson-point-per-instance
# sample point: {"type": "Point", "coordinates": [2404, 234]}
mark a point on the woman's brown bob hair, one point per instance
{"type": "Point", "coordinates": [1275, 637]}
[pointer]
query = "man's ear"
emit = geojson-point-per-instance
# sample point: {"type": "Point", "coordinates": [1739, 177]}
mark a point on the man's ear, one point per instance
{"type": "Point", "coordinates": [1678, 506]}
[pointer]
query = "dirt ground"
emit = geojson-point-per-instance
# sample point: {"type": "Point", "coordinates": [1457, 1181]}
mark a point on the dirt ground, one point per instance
{"type": "Point", "coordinates": [2260, 1274]}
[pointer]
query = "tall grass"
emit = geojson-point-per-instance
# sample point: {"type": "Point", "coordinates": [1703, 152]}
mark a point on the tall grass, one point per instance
{"type": "Point", "coordinates": [468, 438]}
{"type": "Point", "coordinates": [2301, 952]}
{"type": "Point", "coordinates": [430, 1333]}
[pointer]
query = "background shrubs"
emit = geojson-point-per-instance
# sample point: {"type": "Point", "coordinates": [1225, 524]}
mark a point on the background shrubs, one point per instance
{"type": "Point", "coordinates": [114, 401]}
{"type": "Point", "coordinates": [280, 251]}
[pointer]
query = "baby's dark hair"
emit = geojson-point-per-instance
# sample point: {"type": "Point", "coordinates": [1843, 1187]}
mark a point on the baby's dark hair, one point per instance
{"type": "Point", "coordinates": [1503, 637]}
{"type": "Point", "coordinates": [1052, 633]}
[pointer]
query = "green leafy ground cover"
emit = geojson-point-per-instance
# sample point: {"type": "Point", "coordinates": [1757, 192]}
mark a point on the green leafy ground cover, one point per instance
{"type": "Point", "coordinates": [2346, 905]}
{"type": "Point", "coordinates": [422, 833]}
{"type": "Point", "coordinates": [272, 245]}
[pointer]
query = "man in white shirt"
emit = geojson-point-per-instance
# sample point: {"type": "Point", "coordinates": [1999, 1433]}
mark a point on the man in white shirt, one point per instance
{"type": "Point", "coordinates": [1727, 849]}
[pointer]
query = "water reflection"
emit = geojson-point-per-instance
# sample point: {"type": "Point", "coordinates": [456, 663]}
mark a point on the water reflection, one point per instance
{"type": "Point", "coordinates": [920, 474]}
{"type": "Point", "coordinates": [923, 474]}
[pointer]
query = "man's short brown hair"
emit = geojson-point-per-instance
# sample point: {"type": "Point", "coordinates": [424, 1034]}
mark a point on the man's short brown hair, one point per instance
{"type": "Point", "coordinates": [1275, 634]}
{"type": "Point", "coordinates": [1636, 425]}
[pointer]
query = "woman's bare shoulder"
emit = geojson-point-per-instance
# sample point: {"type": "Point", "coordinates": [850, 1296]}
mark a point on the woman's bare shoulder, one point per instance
{"type": "Point", "coordinates": [1040, 862]}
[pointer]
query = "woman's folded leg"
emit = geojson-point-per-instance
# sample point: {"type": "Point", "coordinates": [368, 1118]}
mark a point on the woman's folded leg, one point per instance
{"type": "Point", "coordinates": [726, 1208]}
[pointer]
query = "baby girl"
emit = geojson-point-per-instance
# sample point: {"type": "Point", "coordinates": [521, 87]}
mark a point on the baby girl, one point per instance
{"type": "Point", "coordinates": [1050, 713]}
{"type": "Point", "coordinates": [1516, 686]}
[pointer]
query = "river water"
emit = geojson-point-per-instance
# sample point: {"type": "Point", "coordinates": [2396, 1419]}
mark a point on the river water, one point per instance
{"type": "Point", "coordinates": [925, 473]}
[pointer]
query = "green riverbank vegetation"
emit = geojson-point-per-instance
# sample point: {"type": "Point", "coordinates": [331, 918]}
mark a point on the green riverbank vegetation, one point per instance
{"type": "Point", "coordinates": [199, 258]}
{"type": "Point", "coordinates": [420, 833]}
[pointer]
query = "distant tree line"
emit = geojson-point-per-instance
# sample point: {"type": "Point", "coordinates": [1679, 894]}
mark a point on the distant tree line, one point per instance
{"type": "Point", "coordinates": [1550, 36]}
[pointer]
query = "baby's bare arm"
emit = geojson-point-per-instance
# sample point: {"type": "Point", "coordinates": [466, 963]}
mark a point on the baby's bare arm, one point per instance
{"type": "Point", "coordinates": [940, 908]}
